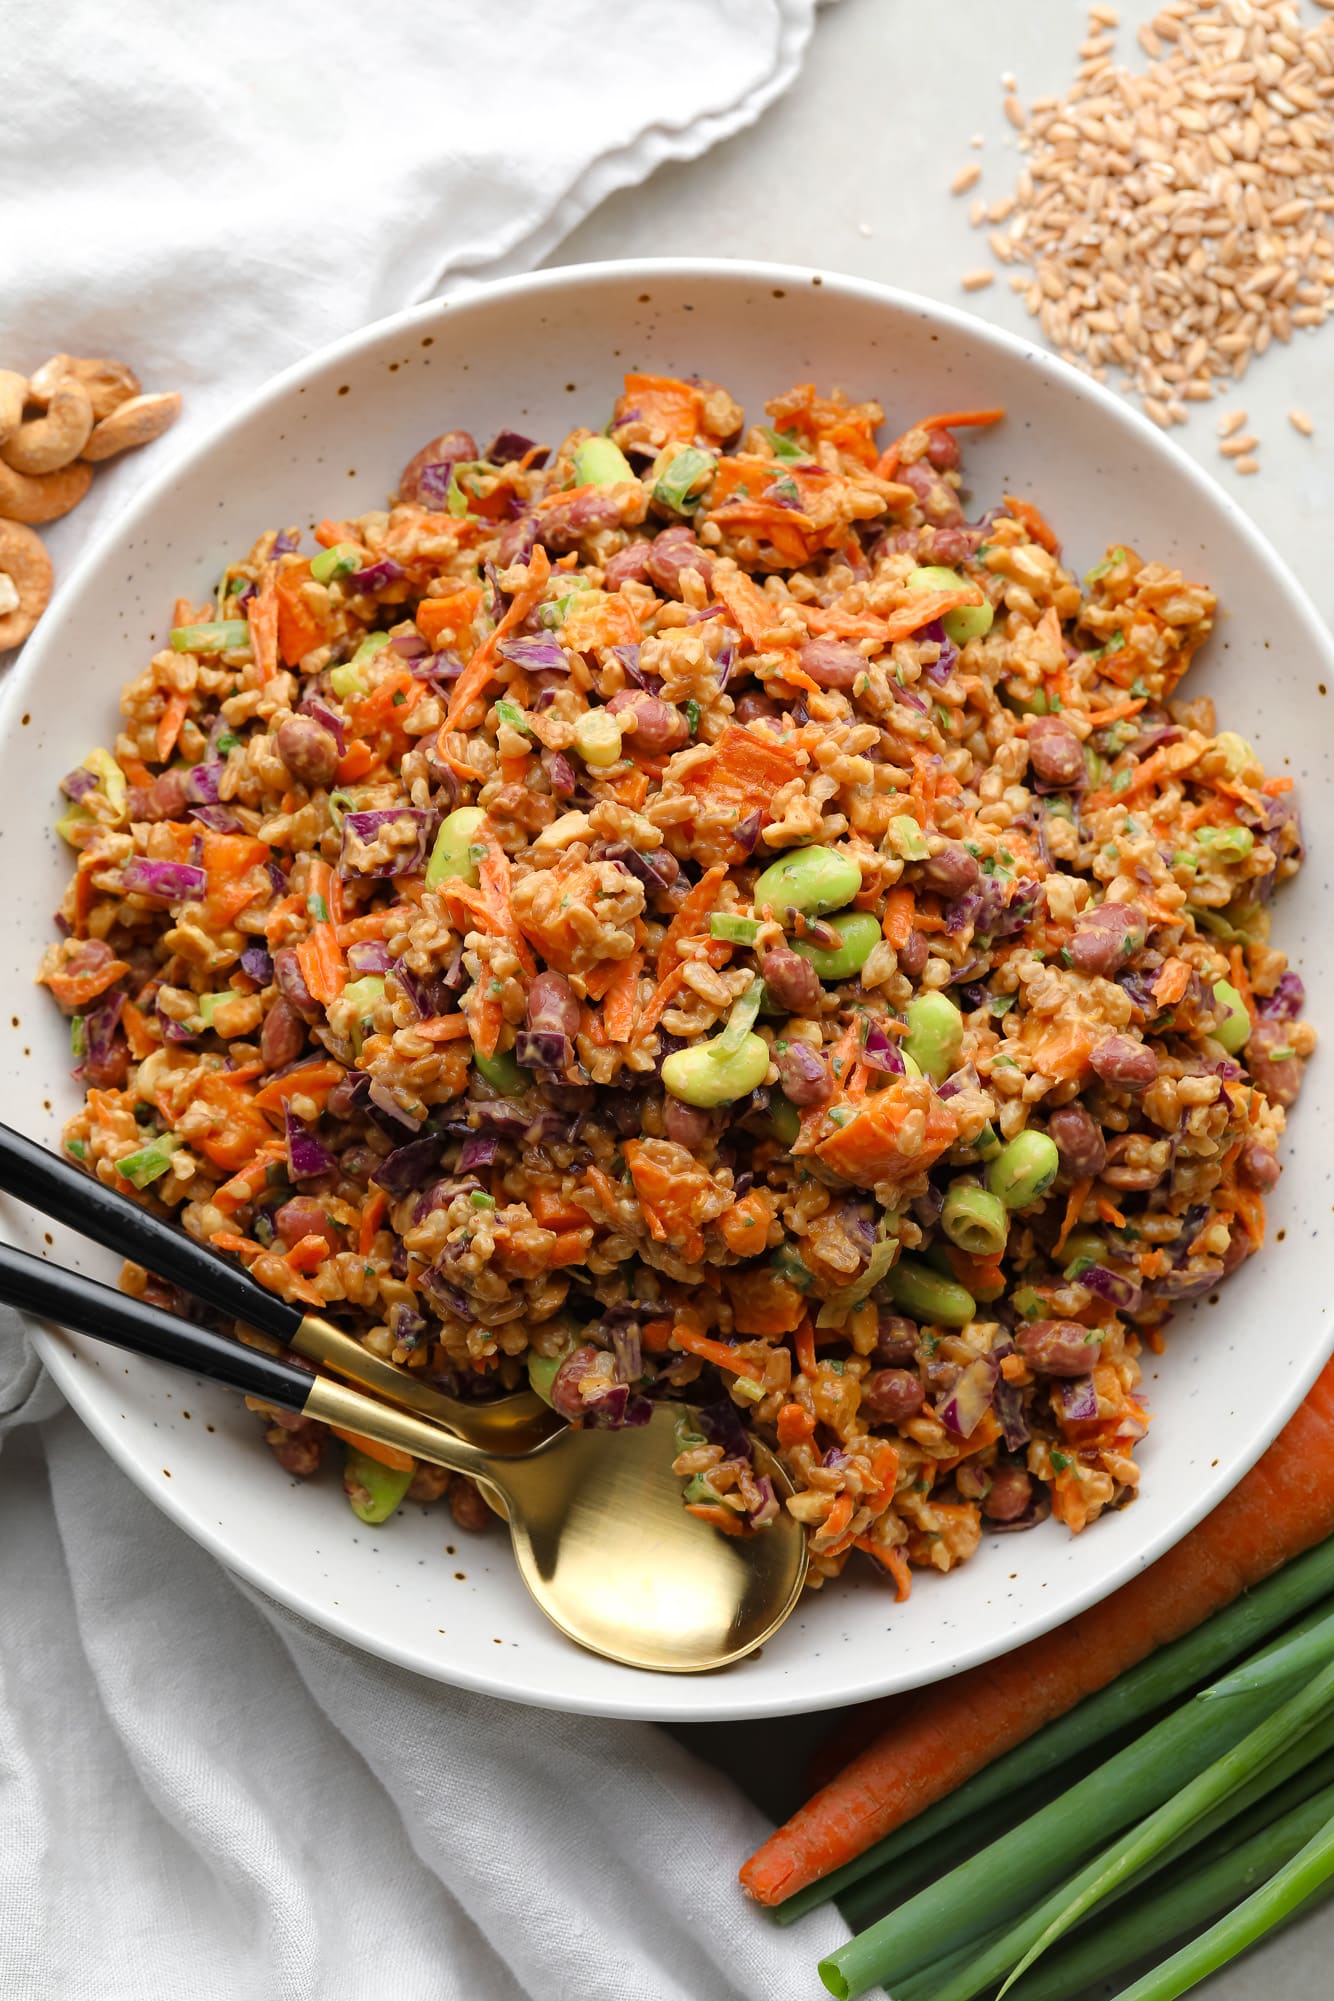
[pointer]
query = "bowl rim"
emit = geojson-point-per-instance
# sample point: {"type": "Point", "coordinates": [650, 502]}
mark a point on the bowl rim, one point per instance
{"type": "Point", "coordinates": [697, 1698]}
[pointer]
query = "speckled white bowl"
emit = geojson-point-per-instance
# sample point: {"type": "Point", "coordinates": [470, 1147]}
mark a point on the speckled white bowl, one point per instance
{"type": "Point", "coordinates": [540, 353]}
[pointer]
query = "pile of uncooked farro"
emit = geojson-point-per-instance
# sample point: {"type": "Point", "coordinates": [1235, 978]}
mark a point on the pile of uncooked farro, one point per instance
{"type": "Point", "coordinates": [1173, 221]}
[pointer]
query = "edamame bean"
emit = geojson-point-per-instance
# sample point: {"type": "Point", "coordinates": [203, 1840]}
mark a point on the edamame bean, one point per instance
{"type": "Point", "coordinates": [935, 1033]}
{"type": "Point", "coordinates": [1234, 1030]}
{"type": "Point", "coordinates": [453, 858]}
{"type": "Point", "coordinates": [1085, 1247]}
{"type": "Point", "coordinates": [905, 837]}
{"type": "Point", "coordinates": [501, 1071]}
{"type": "Point", "coordinates": [1024, 1170]}
{"type": "Point", "coordinates": [597, 737]}
{"type": "Point", "coordinates": [941, 1302]}
{"type": "Point", "coordinates": [599, 462]}
{"type": "Point", "coordinates": [700, 1075]}
{"type": "Point", "coordinates": [968, 621]}
{"type": "Point", "coordinates": [810, 880]}
{"type": "Point", "coordinates": [543, 1369]}
{"type": "Point", "coordinates": [382, 1486]}
{"type": "Point", "coordinates": [1240, 756]}
{"type": "Point", "coordinates": [860, 934]}
{"type": "Point", "coordinates": [975, 1219]}
{"type": "Point", "coordinates": [784, 1118]}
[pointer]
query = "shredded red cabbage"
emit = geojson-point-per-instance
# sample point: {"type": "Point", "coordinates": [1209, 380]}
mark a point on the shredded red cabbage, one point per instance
{"type": "Point", "coordinates": [543, 1049]}
{"type": "Point", "coordinates": [376, 575]}
{"type": "Point", "coordinates": [1075, 1398]}
{"type": "Point", "coordinates": [1008, 1404]}
{"type": "Point", "coordinates": [307, 1159]}
{"type": "Point", "coordinates": [537, 653]}
{"type": "Point", "coordinates": [408, 1167]}
{"type": "Point", "coordinates": [507, 446]}
{"type": "Point", "coordinates": [173, 882]}
{"type": "Point", "coordinates": [880, 1051]}
{"type": "Point", "coordinates": [970, 1399]}
{"type": "Point", "coordinates": [256, 962]}
{"type": "Point", "coordinates": [361, 830]}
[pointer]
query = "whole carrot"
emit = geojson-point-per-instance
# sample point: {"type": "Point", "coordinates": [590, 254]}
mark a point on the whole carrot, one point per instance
{"type": "Point", "coordinates": [941, 1736]}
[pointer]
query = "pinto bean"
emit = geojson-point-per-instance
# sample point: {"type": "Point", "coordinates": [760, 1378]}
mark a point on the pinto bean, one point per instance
{"type": "Point", "coordinates": [1278, 1075]}
{"type": "Point", "coordinates": [291, 983]}
{"type": "Point", "coordinates": [936, 498]}
{"type": "Point", "coordinates": [467, 1506]}
{"type": "Point", "coordinates": [566, 523]}
{"type": "Point", "coordinates": [659, 728]}
{"type": "Point", "coordinates": [688, 1125]}
{"type": "Point", "coordinates": [428, 1482]}
{"type": "Point", "coordinates": [892, 1396]}
{"type": "Point", "coordinates": [1009, 1495]}
{"type": "Point", "coordinates": [951, 870]}
{"type": "Point", "coordinates": [831, 662]}
{"type": "Point", "coordinates": [298, 1452]}
{"type": "Point", "coordinates": [790, 981]}
{"type": "Point", "coordinates": [447, 449]}
{"type": "Point", "coordinates": [803, 1075]}
{"type": "Point", "coordinates": [1056, 1347]}
{"type": "Point", "coordinates": [302, 1216]}
{"type": "Point", "coordinates": [950, 546]}
{"type": "Point", "coordinates": [1125, 1064]}
{"type": "Point", "coordinates": [552, 1004]}
{"type": "Point", "coordinates": [755, 708]}
{"type": "Point", "coordinates": [283, 1036]}
{"type": "Point", "coordinates": [942, 449]}
{"type": "Point", "coordinates": [627, 566]}
{"type": "Point", "coordinates": [565, 1397]}
{"type": "Point", "coordinates": [109, 1071]}
{"type": "Point", "coordinates": [517, 539]}
{"type": "Point", "coordinates": [309, 751]}
{"type": "Point", "coordinates": [1105, 938]}
{"type": "Point", "coordinates": [1258, 1167]}
{"type": "Point", "coordinates": [895, 1340]}
{"type": "Point", "coordinates": [1079, 1141]}
{"type": "Point", "coordinates": [167, 796]}
{"type": "Point", "coordinates": [913, 954]}
{"type": "Point", "coordinates": [1055, 752]}
{"type": "Point", "coordinates": [672, 553]}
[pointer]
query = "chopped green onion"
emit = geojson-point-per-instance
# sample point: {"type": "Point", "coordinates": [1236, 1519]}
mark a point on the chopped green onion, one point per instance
{"type": "Point", "coordinates": [78, 1037]}
{"type": "Point", "coordinates": [227, 742]}
{"type": "Point", "coordinates": [741, 1020]}
{"type": "Point", "coordinates": [150, 1161]}
{"type": "Point", "coordinates": [686, 476]}
{"type": "Point", "coordinates": [339, 561]}
{"type": "Point", "coordinates": [784, 444]}
{"type": "Point", "coordinates": [481, 1200]}
{"type": "Point", "coordinates": [346, 680]}
{"type": "Point", "coordinates": [364, 993]}
{"type": "Point", "coordinates": [599, 462]}
{"type": "Point", "coordinates": [692, 715]}
{"type": "Point", "coordinates": [223, 635]}
{"type": "Point", "coordinates": [511, 713]}
{"type": "Point", "coordinates": [736, 930]}
{"type": "Point", "coordinates": [340, 803]}
{"type": "Point", "coordinates": [209, 1004]}
{"type": "Point", "coordinates": [839, 1304]}
{"type": "Point", "coordinates": [78, 1147]}
{"type": "Point", "coordinates": [905, 837]}
{"type": "Point", "coordinates": [785, 489]}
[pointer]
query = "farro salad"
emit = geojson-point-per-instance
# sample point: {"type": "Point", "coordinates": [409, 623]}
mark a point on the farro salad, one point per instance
{"type": "Point", "coordinates": [688, 914]}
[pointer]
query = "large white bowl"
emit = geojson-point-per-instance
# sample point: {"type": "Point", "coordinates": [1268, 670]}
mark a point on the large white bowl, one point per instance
{"type": "Point", "coordinates": [540, 354]}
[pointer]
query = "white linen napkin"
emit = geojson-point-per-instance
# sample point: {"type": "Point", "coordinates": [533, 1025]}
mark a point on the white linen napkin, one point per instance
{"type": "Point", "coordinates": [200, 1794]}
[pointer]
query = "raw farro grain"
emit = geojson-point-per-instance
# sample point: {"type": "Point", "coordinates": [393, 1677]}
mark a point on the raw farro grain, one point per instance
{"type": "Point", "coordinates": [967, 177]}
{"type": "Point", "coordinates": [1239, 447]}
{"type": "Point", "coordinates": [1246, 465]}
{"type": "Point", "coordinates": [977, 281]}
{"type": "Point", "coordinates": [1197, 184]}
{"type": "Point", "coordinates": [1299, 419]}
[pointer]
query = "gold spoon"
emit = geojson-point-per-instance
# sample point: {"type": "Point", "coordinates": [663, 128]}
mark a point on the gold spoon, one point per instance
{"type": "Point", "coordinates": [601, 1533]}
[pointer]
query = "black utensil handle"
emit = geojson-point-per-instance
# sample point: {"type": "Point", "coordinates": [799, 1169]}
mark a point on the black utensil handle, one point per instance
{"type": "Point", "coordinates": [58, 1189]}
{"type": "Point", "coordinates": [78, 1302]}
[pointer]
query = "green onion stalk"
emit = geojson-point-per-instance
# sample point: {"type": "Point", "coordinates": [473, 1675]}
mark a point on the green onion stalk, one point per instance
{"type": "Point", "coordinates": [1159, 1679]}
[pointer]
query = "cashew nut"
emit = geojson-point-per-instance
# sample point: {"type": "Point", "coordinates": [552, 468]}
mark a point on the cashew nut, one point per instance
{"type": "Point", "coordinates": [13, 395]}
{"type": "Point", "coordinates": [44, 444]}
{"type": "Point", "coordinates": [25, 568]}
{"type": "Point", "coordinates": [45, 498]}
{"type": "Point", "coordinates": [108, 383]}
{"type": "Point", "coordinates": [137, 422]}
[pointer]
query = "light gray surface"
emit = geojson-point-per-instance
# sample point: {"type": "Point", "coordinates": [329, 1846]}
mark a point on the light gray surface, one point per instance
{"type": "Point", "coordinates": [851, 172]}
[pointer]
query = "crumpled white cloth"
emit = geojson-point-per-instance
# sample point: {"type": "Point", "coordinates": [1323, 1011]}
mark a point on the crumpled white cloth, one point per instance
{"type": "Point", "coordinates": [199, 1793]}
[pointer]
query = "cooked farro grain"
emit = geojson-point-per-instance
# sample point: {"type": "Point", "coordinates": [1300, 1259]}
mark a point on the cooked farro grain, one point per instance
{"type": "Point", "coordinates": [702, 919]}
{"type": "Point", "coordinates": [1176, 220]}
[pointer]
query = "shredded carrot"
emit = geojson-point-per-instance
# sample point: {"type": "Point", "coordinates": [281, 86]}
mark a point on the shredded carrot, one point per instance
{"type": "Point", "coordinates": [661, 999]}
{"type": "Point", "coordinates": [691, 918]}
{"type": "Point", "coordinates": [1074, 1203]}
{"type": "Point", "coordinates": [795, 1425]}
{"type": "Point", "coordinates": [896, 1563]}
{"type": "Point", "coordinates": [1241, 979]}
{"type": "Point", "coordinates": [323, 967]}
{"type": "Point", "coordinates": [441, 1028]}
{"type": "Point", "coordinates": [441, 620]}
{"type": "Point", "coordinates": [169, 726]}
{"type": "Point", "coordinates": [1109, 1213]}
{"type": "Point", "coordinates": [75, 990]}
{"type": "Point", "coordinates": [804, 1347]}
{"type": "Point", "coordinates": [477, 673]}
{"type": "Point", "coordinates": [137, 1031]}
{"type": "Point", "coordinates": [385, 1455]}
{"type": "Point", "coordinates": [251, 1180]}
{"type": "Point", "coordinates": [716, 1515]}
{"type": "Point", "coordinates": [313, 1079]}
{"type": "Point", "coordinates": [571, 1247]}
{"type": "Point", "coordinates": [1171, 983]}
{"type": "Point", "coordinates": [1119, 712]}
{"type": "Point", "coordinates": [621, 999]}
{"type": "Point", "coordinates": [308, 1253]}
{"type": "Point", "coordinates": [1035, 522]}
{"type": "Point", "coordinates": [708, 1350]}
{"type": "Point", "coordinates": [924, 606]}
{"type": "Point", "coordinates": [300, 627]}
{"type": "Point", "coordinates": [668, 405]}
{"type": "Point", "coordinates": [374, 1211]}
{"type": "Point", "coordinates": [897, 923]}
